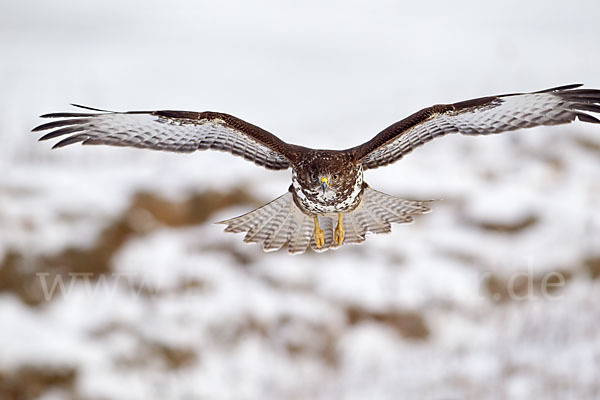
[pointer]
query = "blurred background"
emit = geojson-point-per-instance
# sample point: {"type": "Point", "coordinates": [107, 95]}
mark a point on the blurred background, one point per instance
{"type": "Point", "coordinates": [116, 284]}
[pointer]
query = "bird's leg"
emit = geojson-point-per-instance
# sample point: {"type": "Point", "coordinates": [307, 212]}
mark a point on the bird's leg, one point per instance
{"type": "Point", "coordinates": [318, 233]}
{"type": "Point", "coordinates": [339, 230]}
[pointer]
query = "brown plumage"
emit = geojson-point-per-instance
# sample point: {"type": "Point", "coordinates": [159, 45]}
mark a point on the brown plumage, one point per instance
{"type": "Point", "coordinates": [326, 184]}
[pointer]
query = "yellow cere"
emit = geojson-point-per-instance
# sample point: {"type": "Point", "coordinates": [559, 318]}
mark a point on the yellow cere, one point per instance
{"type": "Point", "coordinates": [323, 179]}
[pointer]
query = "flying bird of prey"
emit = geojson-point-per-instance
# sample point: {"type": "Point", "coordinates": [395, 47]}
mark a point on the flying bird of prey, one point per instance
{"type": "Point", "coordinates": [328, 203]}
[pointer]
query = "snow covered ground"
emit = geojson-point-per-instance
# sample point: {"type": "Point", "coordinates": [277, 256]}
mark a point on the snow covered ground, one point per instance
{"type": "Point", "coordinates": [495, 294]}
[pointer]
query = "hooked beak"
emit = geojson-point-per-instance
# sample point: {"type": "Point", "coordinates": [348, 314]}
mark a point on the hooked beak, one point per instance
{"type": "Point", "coordinates": [324, 183]}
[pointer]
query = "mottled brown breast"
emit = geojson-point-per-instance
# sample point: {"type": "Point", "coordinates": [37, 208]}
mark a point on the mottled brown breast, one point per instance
{"type": "Point", "coordinates": [344, 182]}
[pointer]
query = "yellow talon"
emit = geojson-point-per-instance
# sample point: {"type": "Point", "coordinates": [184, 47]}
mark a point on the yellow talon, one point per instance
{"type": "Point", "coordinates": [318, 233]}
{"type": "Point", "coordinates": [339, 230]}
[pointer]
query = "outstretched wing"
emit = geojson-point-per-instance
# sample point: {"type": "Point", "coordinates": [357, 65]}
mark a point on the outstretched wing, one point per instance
{"type": "Point", "coordinates": [176, 131]}
{"type": "Point", "coordinates": [481, 116]}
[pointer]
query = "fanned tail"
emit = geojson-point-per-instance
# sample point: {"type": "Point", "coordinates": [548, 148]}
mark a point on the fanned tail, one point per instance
{"type": "Point", "coordinates": [274, 225]}
{"type": "Point", "coordinates": [281, 222]}
{"type": "Point", "coordinates": [377, 211]}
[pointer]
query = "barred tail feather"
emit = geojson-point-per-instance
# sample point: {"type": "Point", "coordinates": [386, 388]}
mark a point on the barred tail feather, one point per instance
{"type": "Point", "coordinates": [274, 225]}
{"type": "Point", "coordinates": [281, 222]}
{"type": "Point", "coordinates": [376, 212]}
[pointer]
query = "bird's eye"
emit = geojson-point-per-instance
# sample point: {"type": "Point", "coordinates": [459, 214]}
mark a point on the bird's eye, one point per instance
{"type": "Point", "coordinates": [314, 176]}
{"type": "Point", "coordinates": [335, 176]}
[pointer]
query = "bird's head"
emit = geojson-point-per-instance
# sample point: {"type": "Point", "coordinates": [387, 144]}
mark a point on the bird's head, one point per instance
{"type": "Point", "coordinates": [328, 174]}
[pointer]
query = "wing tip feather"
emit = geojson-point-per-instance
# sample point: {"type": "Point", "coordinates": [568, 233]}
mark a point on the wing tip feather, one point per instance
{"type": "Point", "coordinates": [69, 140]}
{"type": "Point", "coordinates": [583, 117]}
{"type": "Point", "coordinates": [60, 132]}
{"type": "Point", "coordinates": [59, 123]}
{"type": "Point", "coordinates": [75, 114]}
{"type": "Point", "coordinates": [561, 88]}
{"type": "Point", "coordinates": [90, 108]}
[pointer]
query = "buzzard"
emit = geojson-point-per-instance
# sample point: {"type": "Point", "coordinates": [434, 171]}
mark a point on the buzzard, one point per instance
{"type": "Point", "coordinates": [328, 203]}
